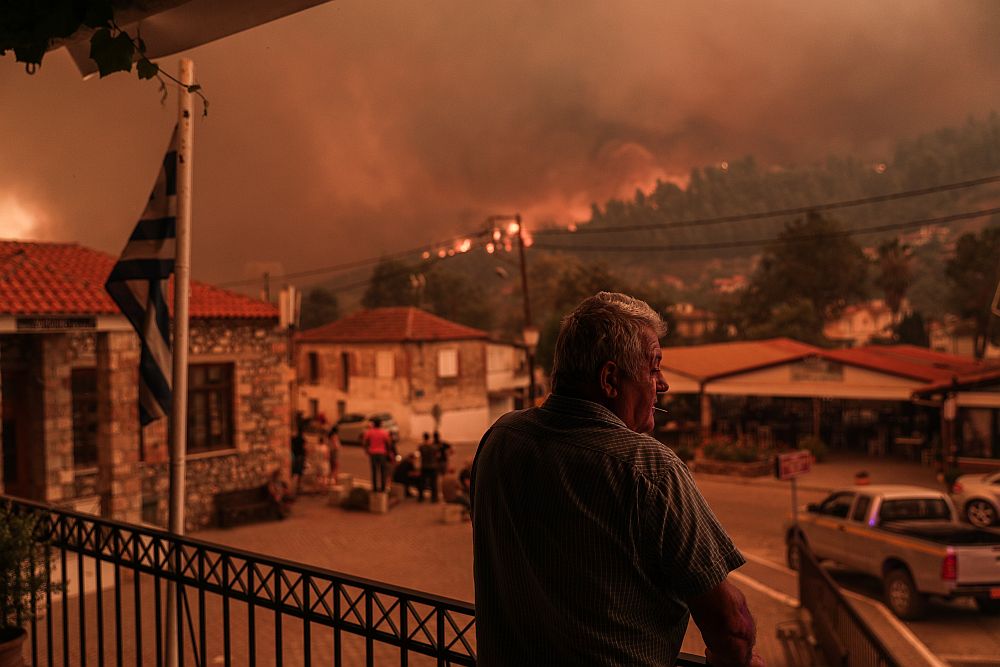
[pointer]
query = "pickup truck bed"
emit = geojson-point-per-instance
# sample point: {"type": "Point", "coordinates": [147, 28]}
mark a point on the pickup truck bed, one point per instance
{"type": "Point", "coordinates": [944, 534]}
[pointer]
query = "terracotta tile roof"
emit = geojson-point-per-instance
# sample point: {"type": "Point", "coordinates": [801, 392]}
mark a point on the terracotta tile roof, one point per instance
{"type": "Point", "coordinates": [382, 325]}
{"type": "Point", "coordinates": [705, 362]}
{"type": "Point", "coordinates": [967, 382]}
{"type": "Point", "coordinates": [885, 363]}
{"type": "Point", "coordinates": [702, 362]}
{"type": "Point", "coordinates": [935, 367]}
{"type": "Point", "coordinates": [68, 279]}
{"type": "Point", "coordinates": [925, 357]}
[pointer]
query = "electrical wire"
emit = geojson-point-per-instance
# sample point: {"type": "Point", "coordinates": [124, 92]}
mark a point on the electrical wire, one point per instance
{"type": "Point", "coordinates": [721, 245]}
{"type": "Point", "coordinates": [334, 268]}
{"type": "Point", "coordinates": [798, 210]}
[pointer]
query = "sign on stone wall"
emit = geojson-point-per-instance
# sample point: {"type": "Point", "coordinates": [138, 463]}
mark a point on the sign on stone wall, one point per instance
{"type": "Point", "coordinates": [817, 369]}
{"type": "Point", "coordinates": [55, 323]}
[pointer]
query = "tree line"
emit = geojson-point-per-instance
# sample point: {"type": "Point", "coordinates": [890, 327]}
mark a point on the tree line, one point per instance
{"type": "Point", "coordinates": [807, 276]}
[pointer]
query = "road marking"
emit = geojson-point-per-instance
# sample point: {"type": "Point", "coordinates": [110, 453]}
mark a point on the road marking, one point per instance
{"type": "Point", "coordinates": [984, 659]}
{"type": "Point", "coordinates": [769, 563]}
{"type": "Point", "coordinates": [899, 626]}
{"type": "Point", "coordinates": [766, 590]}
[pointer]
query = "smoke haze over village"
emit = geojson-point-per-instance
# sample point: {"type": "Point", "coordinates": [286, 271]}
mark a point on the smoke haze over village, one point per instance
{"type": "Point", "coordinates": [358, 128]}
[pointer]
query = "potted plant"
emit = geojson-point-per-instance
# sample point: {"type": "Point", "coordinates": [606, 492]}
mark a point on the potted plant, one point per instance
{"type": "Point", "coordinates": [22, 580]}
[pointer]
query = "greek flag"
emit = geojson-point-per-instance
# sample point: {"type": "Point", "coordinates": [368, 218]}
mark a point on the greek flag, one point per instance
{"type": "Point", "coordinates": [138, 284]}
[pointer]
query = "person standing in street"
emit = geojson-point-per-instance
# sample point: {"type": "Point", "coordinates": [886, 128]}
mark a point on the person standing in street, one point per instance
{"type": "Point", "coordinates": [592, 544]}
{"type": "Point", "coordinates": [298, 446]}
{"type": "Point", "coordinates": [333, 442]}
{"type": "Point", "coordinates": [377, 443]}
{"type": "Point", "coordinates": [443, 454]}
{"type": "Point", "coordinates": [429, 468]}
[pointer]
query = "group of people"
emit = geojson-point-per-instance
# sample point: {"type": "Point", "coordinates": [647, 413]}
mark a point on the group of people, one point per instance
{"type": "Point", "coordinates": [423, 469]}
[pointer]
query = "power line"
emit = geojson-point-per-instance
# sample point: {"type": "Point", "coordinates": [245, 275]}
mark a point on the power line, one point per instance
{"type": "Point", "coordinates": [721, 245]}
{"type": "Point", "coordinates": [392, 274]}
{"type": "Point", "coordinates": [334, 268]}
{"type": "Point", "coordinates": [799, 210]}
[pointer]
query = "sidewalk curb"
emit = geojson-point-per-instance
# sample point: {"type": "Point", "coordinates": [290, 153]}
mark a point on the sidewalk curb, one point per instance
{"type": "Point", "coordinates": [761, 481]}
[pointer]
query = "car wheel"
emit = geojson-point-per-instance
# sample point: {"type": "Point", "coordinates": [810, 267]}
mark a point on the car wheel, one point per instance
{"type": "Point", "coordinates": [988, 605]}
{"type": "Point", "coordinates": [980, 513]}
{"type": "Point", "coordinates": [793, 557]}
{"type": "Point", "coordinates": [902, 597]}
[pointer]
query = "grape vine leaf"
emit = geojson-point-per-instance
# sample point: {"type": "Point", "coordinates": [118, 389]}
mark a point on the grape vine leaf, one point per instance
{"type": "Point", "coordinates": [112, 54]}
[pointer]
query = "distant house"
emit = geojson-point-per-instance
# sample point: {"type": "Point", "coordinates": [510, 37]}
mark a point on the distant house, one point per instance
{"type": "Point", "coordinates": [406, 361]}
{"type": "Point", "coordinates": [954, 335]}
{"type": "Point", "coordinates": [692, 323]}
{"type": "Point", "coordinates": [68, 381]}
{"type": "Point", "coordinates": [860, 323]}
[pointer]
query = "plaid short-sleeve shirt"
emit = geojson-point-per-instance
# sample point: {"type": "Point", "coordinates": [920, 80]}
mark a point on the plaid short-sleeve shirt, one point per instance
{"type": "Point", "coordinates": [588, 538]}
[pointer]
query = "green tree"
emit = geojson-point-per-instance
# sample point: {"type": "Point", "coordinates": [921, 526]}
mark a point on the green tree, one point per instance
{"type": "Point", "coordinates": [929, 292]}
{"type": "Point", "coordinates": [796, 318]}
{"type": "Point", "coordinates": [319, 307]}
{"type": "Point", "coordinates": [973, 273]}
{"type": "Point", "coordinates": [911, 330]}
{"type": "Point", "coordinates": [807, 277]}
{"type": "Point", "coordinates": [391, 285]}
{"type": "Point", "coordinates": [893, 275]}
{"type": "Point", "coordinates": [453, 296]}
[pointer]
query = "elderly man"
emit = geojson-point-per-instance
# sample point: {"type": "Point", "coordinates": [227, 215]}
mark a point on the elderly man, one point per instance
{"type": "Point", "coordinates": [592, 544]}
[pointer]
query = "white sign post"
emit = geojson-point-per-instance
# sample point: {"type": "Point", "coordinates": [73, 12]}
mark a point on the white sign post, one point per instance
{"type": "Point", "coordinates": [790, 466]}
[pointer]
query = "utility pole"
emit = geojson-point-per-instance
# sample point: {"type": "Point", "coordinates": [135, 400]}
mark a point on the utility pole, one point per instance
{"type": "Point", "coordinates": [267, 287]}
{"type": "Point", "coordinates": [530, 331]}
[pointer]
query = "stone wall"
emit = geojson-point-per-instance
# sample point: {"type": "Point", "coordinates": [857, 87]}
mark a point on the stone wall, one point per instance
{"type": "Point", "coordinates": [118, 481]}
{"type": "Point", "coordinates": [410, 394]}
{"type": "Point", "coordinates": [258, 352]}
{"type": "Point", "coordinates": [57, 419]}
{"type": "Point", "coordinates": [467, 391]}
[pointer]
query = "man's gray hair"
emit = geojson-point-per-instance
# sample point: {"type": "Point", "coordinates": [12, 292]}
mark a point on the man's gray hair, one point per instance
{"type": "Point", "coordinates": [605, 327]}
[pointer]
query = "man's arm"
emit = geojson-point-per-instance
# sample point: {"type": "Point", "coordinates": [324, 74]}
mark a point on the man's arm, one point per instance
{"type": "Point", "coordinates": [726, 626]}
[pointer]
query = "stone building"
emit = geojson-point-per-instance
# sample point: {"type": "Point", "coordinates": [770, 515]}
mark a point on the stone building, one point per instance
{"type": "Point", "coordinates": [68, 390]}
{"type": "Point", "coordinates": [406, 361]}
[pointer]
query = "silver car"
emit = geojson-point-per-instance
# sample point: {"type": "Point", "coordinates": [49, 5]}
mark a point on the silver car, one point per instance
{"type": "Point", "coordinates": [977, 498]}
{"type": "Point", "coordinates": [352, 426]}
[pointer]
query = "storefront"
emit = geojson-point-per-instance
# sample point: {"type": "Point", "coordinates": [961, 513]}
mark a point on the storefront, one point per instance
{"type": "Point", "coordinates": [776, 392]}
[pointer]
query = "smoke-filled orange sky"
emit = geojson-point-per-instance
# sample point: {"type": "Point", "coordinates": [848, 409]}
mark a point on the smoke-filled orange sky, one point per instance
{"type": "Point", "coordinates": [359, 127]}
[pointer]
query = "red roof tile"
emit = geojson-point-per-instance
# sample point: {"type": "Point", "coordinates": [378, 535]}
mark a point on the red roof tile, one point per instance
{"type": "Point", "coordinates": [68, 279]}
{"type": "Point", "coordinates": [703, 362]}
{"type": "Point", "coordinates": [924, 357]}
{"type": "Point", "coordinates": [886, 363]}
{"type": "Point", "coordinates": [382, 325]}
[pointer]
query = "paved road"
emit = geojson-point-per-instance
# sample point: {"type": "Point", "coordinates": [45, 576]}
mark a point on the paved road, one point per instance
{"type": "Point", "coordinates": [955, 631]}
{"type": "Point", "coordinates": [411, 547]}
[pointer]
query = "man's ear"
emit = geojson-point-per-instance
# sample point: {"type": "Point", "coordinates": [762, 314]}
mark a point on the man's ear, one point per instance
{"type": "Point", "coordinates": [610, 379]}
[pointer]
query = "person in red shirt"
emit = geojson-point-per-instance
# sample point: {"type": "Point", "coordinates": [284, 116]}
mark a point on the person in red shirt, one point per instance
{"type": "Point", "coordinates": [378, 444]}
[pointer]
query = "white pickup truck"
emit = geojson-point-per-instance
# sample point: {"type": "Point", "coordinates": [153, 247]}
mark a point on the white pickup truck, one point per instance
{"type": "Point", "coordinates": [910, 538]}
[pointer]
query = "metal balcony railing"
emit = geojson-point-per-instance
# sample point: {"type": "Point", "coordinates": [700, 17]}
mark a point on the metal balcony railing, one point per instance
{"type": "Point", "coordinates": [841, 634]}
{"type": "Point", "coordinates": [235, 607]}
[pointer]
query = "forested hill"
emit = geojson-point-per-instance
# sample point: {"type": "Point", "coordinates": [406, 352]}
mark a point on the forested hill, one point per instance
{"type": "Point", "coordinates": [743, 186]}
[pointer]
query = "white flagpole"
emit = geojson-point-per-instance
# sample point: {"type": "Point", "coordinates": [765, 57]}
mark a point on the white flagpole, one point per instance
{"type": "Point", "coordinates": [182, 283]}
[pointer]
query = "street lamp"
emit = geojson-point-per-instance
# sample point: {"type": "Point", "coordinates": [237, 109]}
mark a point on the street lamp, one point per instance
{"type": "Point", "coordinates": [531, 335]}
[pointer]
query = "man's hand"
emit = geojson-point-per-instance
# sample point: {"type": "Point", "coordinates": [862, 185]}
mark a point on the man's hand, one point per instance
{"type": "Point", "coordinates": [726, 626]}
